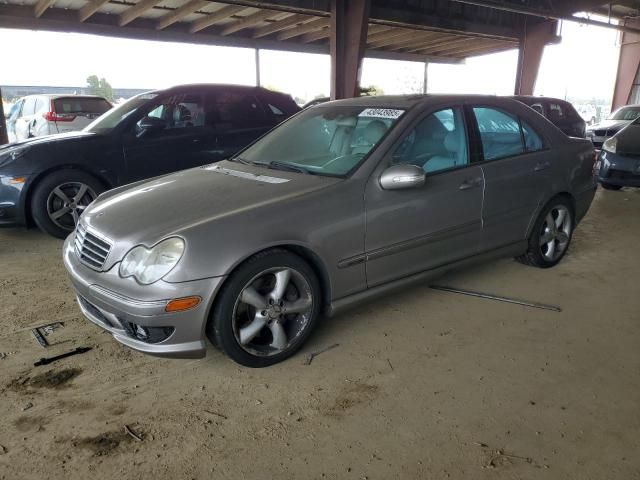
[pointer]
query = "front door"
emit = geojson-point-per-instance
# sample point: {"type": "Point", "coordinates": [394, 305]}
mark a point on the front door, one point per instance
{"type": "Point", "coordinates": [517, 169]}
{"type": "Point", "coordinates": [187, 139]}
{"type": "Point", "coordinates": [412, 230]}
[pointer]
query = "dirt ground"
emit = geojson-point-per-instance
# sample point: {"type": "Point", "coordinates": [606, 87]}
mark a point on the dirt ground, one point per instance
{"type": "Point", "coordinates": [423, 384]}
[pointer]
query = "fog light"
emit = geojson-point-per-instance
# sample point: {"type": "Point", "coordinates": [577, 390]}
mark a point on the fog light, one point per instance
{"type": "Point", "coordinates": [180, 304]}
{"type": "Point", "coordinates": [148, 334]}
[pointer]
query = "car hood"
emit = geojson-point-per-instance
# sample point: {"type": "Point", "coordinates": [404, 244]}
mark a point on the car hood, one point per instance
{"type": "Point", "coordinates": [48, 139]}
{"type": "Point", "coordinates": [174, 204]}
{"type": "Point", "coordinates": [610, 125]}
{"type": "Point", "coordinates": [629, 140]}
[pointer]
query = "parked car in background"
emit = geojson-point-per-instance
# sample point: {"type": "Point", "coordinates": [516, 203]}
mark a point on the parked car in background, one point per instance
{"type": "Point", "coordinates": [341, 203]}
{"type": "Point", "coordinates": [619, 160]}
{"type": "Point", "coordinates": [10, 118]}
{"type": "Point", "coordinates": [619, 119]}
{"type": "Point", "coordinates": [588, 113]}
{"type": "Point", "coordinates": [50, 180]}
{"type": "Point", "coordinates": [559, 112]}
{"type": "Point", "coordinates": [38, 115]}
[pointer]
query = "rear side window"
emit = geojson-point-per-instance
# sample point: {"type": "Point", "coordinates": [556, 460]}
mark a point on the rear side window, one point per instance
{"type": "Point", "coordinates": [81, 105]}
{"type": "Point", "coordinates": [279, 105]}
{"type": "Point", "coordinates": [42, 105]}
{"type": "Point", "coordinates": [556, 112]}
{"type": "Point", "coordinates": [235, 111]}
{"type": "Point", "coordinates": [499, 133]}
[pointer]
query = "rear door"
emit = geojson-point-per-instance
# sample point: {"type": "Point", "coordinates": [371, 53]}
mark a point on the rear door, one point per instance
{"type": "Point", "coordinates": [412, 230]}
{"type": "Point", "coordinates": [239, 119]}
{"type": "Point", "coordinates": [517, 173]}
{"type": "Point", "coordinates": [73, 113]}
{"type": "Point", "coordinates": [186, 141]}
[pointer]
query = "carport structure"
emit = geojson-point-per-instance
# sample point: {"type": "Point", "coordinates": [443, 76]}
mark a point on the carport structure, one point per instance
{"type": "Point", "coordinates": [417, 30]}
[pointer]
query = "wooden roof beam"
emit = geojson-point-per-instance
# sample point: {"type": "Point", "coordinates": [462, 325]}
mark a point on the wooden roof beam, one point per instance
{"type": "Point", "coordinates": [90, 8]}
{"type": "Point", "coordinates": [317, 24]}
{"type": "Point", "coordinates": [281, 25]}
{"type": "Point", "coordinates": [385, 35]}
{"type": "Point", "coordinates": [249, 21]}
{"type": "Point", "coordinates": [406, 35]}
{"type": "Point", "coordinates": [131, 13]}
{"type": "Point", "coordinates": [41, 7]}
{"type": "Point", "coordinates": [313, 36]}
{"type": "Point", "coordinates": [417, 41]}
{"type": "Point", "coordinates": [215, 17]}
{"type": "Point", "coordinates": [433, 47]}
{"type": "Point", "coordinates": [178, 14]}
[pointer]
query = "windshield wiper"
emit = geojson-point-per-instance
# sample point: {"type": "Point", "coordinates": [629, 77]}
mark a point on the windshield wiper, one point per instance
{"type": "Point", "coordinates": [277, 165]}
{"type": "Point", "coordinates": [242, 161]}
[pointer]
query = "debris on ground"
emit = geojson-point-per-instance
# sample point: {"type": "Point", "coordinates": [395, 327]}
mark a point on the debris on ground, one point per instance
{"type": "Point", "coordinates": [4, 355]}
{"type": "Point", "coordinates": [309, 358]}
{"type": "Point", "coordinates": [132, 434]}
{"type": "Point", "coordinates": [27, 407]}
{"type": "Point", "coordinates": [211, 412]}
{"type": "Point", "coordinates": [47, 361]}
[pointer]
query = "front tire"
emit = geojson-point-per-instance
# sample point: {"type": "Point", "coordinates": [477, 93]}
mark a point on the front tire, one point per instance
{"type": "Point", "coordinates": [60, 198]}
{"type": "Point", "coordinates": [266, 310]}
{"type": "Point", "coordinates": [551, 235]}
{"type": "Point", "coordinates": [608, 186]}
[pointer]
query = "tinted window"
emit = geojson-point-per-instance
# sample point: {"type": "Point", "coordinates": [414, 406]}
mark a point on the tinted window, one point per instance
{"type": "Point", "coordinates": [437, 142]}
{"type": "Point", "coordinates": [236, 111]}
{"type": "Point", "coordinates": [499, 133]}
{"type": "Point", "coordinates": [184, 110]}
{"type": "Point", "coordinates": [81, 105]}
{"type": "Point", "coordinates": [625, 113]}
{"type": "Point", "coordinates": [538, 108]}
{"type": "Point", "coordinates": [556, 112]}
{"type": "Point", "coordinates": [115, 116]}
{"type": "Point", "coordinates": [29, 107]}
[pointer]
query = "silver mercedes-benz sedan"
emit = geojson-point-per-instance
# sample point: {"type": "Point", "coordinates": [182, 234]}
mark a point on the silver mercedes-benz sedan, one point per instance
{"type": "Point", "coordinates": [343, 202]}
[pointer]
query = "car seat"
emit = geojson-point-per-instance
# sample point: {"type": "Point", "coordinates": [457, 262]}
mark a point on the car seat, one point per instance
{"type": "Point", "coordinates": [455, 154]}
{"type": "Point", "coordinates": [372, 134]}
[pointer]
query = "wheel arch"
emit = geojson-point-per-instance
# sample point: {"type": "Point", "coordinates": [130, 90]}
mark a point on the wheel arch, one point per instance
{"type": "Point", "coordinates": [28, 215]}
{"type": "Point", "coordinates": [561, 194]}
{"type": "Point", "coordinates": [303, 251]}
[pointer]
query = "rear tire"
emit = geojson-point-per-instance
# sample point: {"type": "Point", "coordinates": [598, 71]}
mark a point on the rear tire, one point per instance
{"type": "Point", "coordinates": [266, 309]}
{"type": "Point", "coordinates": [608, 186]}
{"type": "Point", "coordinates": [60, 198]}
{"type": "Point", "coordinates": [551, 234]}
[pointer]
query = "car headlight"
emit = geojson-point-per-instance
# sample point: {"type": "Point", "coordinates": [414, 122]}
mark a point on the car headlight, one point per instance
{"type": "Point", "coordinates": [610, 145]}
{"type": "Point", "coordinates": [150, 265]}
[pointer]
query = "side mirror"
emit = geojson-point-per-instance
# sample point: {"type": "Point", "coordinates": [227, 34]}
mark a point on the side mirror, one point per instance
{"type": "Point", "coordinates": [398, 177]}
{"type": "Point", "coordinates": [151, 124]}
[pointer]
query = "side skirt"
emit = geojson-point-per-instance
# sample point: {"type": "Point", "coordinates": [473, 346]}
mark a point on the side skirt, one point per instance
{"type": "Point", "coordinates": [345, 303]}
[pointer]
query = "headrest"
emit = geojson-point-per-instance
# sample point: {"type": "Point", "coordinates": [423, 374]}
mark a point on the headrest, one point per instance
{"type": "Point", "coordinates": [452, 142]}
{"type": "Point", "coordinates": [374, 131]}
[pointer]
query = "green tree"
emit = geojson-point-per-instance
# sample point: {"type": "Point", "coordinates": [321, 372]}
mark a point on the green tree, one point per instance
{"type": "Point", "coordinates": [100, 86]}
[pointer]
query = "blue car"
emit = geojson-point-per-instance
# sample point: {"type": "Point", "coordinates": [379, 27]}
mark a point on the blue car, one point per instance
{"type": "Point", "coordinates": [619, 160]}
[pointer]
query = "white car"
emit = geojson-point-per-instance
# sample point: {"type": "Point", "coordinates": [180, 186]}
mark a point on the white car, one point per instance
{"type": "Point", "coordinates": [38, 115]}
{"type": "Point", "coordinates": [588, 113]}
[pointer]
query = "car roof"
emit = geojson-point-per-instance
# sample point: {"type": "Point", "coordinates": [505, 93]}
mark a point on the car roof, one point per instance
{"type": "Point", "coordinates": [533, 98]}
{"type": "Point", "coordinates": [54, 96]}
{"type": "Point", "coordinates": [410, 101]}
{"type": "Point", "coordinates": [217, 86]}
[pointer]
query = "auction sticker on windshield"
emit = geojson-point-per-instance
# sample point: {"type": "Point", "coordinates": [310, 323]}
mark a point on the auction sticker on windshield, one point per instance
{"type": "Point", "coordinates": [390, 113]}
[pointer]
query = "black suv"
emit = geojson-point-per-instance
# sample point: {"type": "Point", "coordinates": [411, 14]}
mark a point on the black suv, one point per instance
{"type": "Point", "coordinates": [559, 112]}
{"type": "Point", "coordinates": [52, 179]}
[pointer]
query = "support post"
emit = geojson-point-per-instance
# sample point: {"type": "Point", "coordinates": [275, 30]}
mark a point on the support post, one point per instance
{"type": "Point", "coordinates": [257, 67]}
{"type": "Point", "coordinates": [349, 23]}
{"type": "Point", "coordinates": [425, 82]}
{"type": "Point", "coordinates": [4, 135]}
{"type": "Point", "coordinates": [628, 68]}
{"type": "Point", "coordinates": [532, 45]}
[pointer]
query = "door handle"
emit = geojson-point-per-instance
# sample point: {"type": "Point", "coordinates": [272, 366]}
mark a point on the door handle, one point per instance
{"type": "Point", "coordinates": [541, 166]}
{"type": "Point", "coordinates": [471, 183]}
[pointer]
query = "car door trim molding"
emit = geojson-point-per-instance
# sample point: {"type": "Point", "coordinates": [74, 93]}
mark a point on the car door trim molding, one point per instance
{"type": "Point", "coordinates": [409, 244]}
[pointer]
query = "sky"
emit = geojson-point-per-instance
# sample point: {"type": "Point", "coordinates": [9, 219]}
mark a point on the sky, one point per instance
{"type": "Point", "coordinates": [582, 66]}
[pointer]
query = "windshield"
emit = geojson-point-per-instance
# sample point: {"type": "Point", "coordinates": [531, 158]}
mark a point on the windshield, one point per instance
{"type": "Point", "coordinates": [326, 140]}
{"type": "Point", "coordinates": [113, 117]}
{"type": "Point", "coordinates": [625, 113]}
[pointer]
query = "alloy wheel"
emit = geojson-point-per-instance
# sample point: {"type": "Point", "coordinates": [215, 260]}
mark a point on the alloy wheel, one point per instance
{"type": "Point", "coordinates": [556, 233]}
{"type": "Point", "coordinates": [67, 201]}
{"type": "Point", "coordinates": [272, 311]}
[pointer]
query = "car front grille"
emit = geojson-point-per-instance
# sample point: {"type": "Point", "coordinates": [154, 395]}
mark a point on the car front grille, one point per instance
{"type": "Point", "coordinates": [600, 133]}
{"type": "Point", "coordinates": [91, 250]}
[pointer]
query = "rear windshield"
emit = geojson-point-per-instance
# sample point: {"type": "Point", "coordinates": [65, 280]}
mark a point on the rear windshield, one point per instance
{"type": "Point", "coordinates": [81, 105]}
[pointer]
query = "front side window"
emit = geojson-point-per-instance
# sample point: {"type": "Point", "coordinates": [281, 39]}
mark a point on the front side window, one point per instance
{"type": "Point", "coordinates": [327, 140]}
{"type": "Point", "coordinates": [114, 117]}
{"type": "Point", "coordinates": [532, 141]}
{"type": "Point", "coordinates": [625, 113]}
{"type": "Point", "coordinates": [437, 142]}
{"type": "Point", "coordinates": [499, 133]}
{"type": "Point", "coordinates": [184, 110]}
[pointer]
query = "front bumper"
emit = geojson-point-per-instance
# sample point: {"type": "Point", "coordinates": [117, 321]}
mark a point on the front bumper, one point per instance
{"type": "Point", "coordinates": [617, 169]}
{"type": "Point", "coordinates": [102, 301]}
{"type": "Point", "coordinates": [11, 204]}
